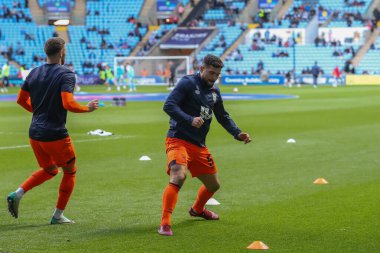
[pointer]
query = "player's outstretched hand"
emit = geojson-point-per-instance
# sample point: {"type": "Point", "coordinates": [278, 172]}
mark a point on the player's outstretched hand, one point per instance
{"type": "Point", "coordinates": [93, 105]}
{"type": "Point", "coordinates": [197, 122]}
{"type": "Point", "coordinates": [244, 137]}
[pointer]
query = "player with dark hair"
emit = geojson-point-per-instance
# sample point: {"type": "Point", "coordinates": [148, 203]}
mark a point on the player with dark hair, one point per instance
{"type": "Point", "coordinates": [190, 106]}
{"type": "Point", "coordinates": [48, 93]}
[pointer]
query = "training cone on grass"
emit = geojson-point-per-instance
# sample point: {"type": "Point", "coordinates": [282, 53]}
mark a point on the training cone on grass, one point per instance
{"type": "Point", "coordinates": [145, 158]}
{"type": "Point", "coordinates": [291, 140]}
{"type": "Point", "coordinates": [212, 202]}
{"type": "Point", "coordinates": [320, 180]}
{"type": "Point", "coordinates": [257, 245]}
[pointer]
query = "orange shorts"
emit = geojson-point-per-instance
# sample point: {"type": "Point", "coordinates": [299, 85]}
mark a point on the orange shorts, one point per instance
{"type": "Point", "coordinates": [60, 152]}
{"type": "Point", "coordinates": [197, 159]}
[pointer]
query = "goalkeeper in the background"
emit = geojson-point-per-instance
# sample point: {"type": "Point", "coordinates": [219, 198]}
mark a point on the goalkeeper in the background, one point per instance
{"type": "Point", "coordinates": [131, 75]}
{"type": "Point", "coordinates": [190, 107]}
{"type": "Point", "coordinates": [120, 77]}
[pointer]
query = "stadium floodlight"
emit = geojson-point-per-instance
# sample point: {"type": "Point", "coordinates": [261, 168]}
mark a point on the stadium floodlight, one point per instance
{"type": "Point", "coordinates": [151, 70]}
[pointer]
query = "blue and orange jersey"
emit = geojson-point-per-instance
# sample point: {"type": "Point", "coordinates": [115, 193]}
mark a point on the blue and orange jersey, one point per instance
{"type": "Point", "coordinates": [45, 86]}
{"type": "Point", "coordinates": [192, 98]}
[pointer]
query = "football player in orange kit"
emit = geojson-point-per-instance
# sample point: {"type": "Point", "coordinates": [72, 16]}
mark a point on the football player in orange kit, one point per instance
{"type": "Point", "coordinates": [48, 93]}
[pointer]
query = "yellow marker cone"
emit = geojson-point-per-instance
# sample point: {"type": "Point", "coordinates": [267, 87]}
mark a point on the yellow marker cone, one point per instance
{"type": "Point", "coordinates": [320, 180]}
{"type": "Point", "coordinates": [258, 245]}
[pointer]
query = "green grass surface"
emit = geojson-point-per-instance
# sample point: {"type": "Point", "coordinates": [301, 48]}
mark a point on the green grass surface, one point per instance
{"type": "Point", "coordinates": [267, 191]}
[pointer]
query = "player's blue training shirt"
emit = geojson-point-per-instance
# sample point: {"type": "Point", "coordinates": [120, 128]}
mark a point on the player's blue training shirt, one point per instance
{"type": "Point", "coordinates": [45, 84]}
{"type": "Point", "coordinates": [193, 98]}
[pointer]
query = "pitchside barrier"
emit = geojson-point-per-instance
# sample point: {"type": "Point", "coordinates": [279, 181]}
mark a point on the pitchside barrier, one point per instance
{"type": "Point", "coordinates": [278, 80]}
{"type": "Point", "coordinates": [363, 80]}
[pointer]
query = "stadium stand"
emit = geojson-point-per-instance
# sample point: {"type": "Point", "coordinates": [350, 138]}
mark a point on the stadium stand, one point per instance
{"type": "Point", "coordinates": [346, 13]}
{"type": "Point", "coordinates": [222, 14]}
{"type": "Point", "coordinates": [278, 55]}
{"type": "Point", "coordinates": [370, 62]}
{"type": "Point", "coordinates": [111, 30]}
{"type": "Point", "coordinates": [21, 39]}
{"type": "Point", "coordinates": [155, 38]}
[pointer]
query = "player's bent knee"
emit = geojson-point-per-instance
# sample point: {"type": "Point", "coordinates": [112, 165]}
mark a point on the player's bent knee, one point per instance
{"type": "Point", "coordinates": [177, 174]}
{"type": "Point", "coordinates": [213, 188]}
{"type": "Point", "coordinates": [70, 169]}
{"type": "Point", "coordinates": [53, 170]}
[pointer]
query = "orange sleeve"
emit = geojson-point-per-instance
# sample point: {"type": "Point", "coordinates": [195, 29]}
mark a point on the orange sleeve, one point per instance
{"type": "Point", "coordinates": [23, 99]}
{"type": "Point", "coordinates": [70, 104]}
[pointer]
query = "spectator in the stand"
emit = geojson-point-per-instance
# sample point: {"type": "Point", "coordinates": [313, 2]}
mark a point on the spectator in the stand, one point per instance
{"type": "Point", "coordinates": [181, 9]}
{"type": "Point", "coordinates": [10, 52]}
{"type": "Point", "coordinates": [267, 36]}
{"type": "Point", "coordinates": [55, 34]}
{"type": "Point", "coordinates": [144, 72]}
{"type": "Point", "coordinates": [19, 49]}
{"type": "Point", "coordinates": [239, 56]}
{"type": "Point", "coordinates": [376, 14]}
{"type": "Point", "coordinates": [103, 44]}
{"type": "Point", "coordinates": [349, 67]}
{"type": "Point", "coordinates": [29, 36]}
{"type": "Point", "coordinates": [260, 66]}
{"type": "Point", "coordinates": [92, 55]}
{"type": "Point", "coordinates": [83, 40]}
{"type": "Point", "coordinates": [131, 19]}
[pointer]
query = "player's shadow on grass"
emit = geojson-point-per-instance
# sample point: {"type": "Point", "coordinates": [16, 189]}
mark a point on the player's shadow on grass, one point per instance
{"type": "Point", "coordinates": [140, 230]}
{"type": "Point", "coordinates": [191, 221]}
{"type": "Point", "coordinates": [13, 227]}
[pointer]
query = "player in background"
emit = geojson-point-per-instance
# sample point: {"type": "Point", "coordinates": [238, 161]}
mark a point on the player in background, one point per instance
{"type": "Point", "coordinates": [315, 71]}
{"type": "Point", "coordinates": [172, 76]}
{"type": "Point", "coordinates": [47, 92]}
{"type": "Point", "coordinates": [288, 79]}
{"type": "Point", "coordinates": [102, 75]}
{"type": "Point", "coordinates": [2, 86]}
{"type": "Point", "coordinates": [337, 77]}
{"type": "Point", "coordinates": [71, 67]}
{"type": "Point", "coordinates": [5, 70]}
{"type": "Point", "coordinates": [110, 78]}
{"type": "Point", "coordinates": [190, 106]}
{"type": "Point", "coordinates": [120, 77]}
{"type": "Point", "coordinates": [131, 75]}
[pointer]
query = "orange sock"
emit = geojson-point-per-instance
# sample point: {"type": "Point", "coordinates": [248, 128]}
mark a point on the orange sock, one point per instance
{"type": "Point", "coordinates": [169, 200]}
{"type": "Point", "coordinates": [38, 178]}
{"type": "Point", "coordinates": [66, 188]}
{"type": "Point", "coordinates": [203, 196]}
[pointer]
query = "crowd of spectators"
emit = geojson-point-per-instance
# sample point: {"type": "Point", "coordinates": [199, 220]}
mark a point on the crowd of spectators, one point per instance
{"type": "Point", "coordinates": [154, 38]}
{"type": "Point", "coordinates": [14, 12]}
{"type": "Point", "coordinates": [301, 13]}
{"type": "Point", "coordinates": [227, 6]}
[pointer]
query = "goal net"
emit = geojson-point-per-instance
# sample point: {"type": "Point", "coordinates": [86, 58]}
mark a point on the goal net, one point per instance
{"type": "Point", "coordinates": [151, 70]}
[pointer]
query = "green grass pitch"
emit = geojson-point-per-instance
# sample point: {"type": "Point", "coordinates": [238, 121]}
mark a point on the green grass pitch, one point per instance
{"type": "Point", "coordinates": [267, 191]}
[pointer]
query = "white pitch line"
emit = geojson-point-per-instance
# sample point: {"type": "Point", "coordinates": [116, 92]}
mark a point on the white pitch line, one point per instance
{"type": "Point", "coordinates": [78, 141]}
{"type": "Point", "coordinates": [14, 147]}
